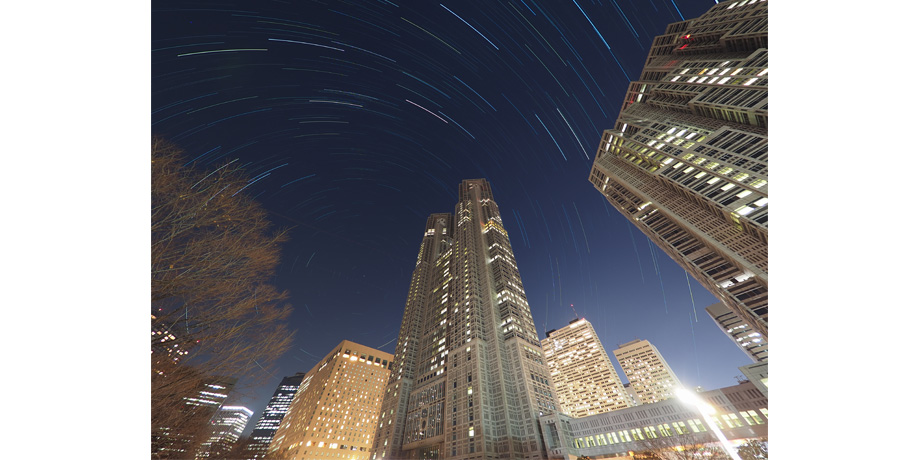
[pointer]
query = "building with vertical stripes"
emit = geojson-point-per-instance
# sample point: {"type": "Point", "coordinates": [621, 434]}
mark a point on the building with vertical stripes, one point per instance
{"type": "Point", "coordinates": [469, 380]}
{"type": "Point", "coordinates": [686, 160]}
{"type": "Point", "coordinates": [586, 381]}
{"type": "Point", "coordinates": [740, 412]}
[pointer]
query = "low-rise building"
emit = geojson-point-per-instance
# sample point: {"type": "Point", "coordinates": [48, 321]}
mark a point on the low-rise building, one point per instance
{"type": "Point", "coordinates": [740, 413]}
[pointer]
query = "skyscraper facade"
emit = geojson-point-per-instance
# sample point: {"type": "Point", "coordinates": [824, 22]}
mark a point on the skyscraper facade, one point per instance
{"type": "Point", "coordinates": [739, 331]}
{"type": "Point", "coordinates": [648, 373]}
{"type": "Point", "coordinates": [226, 427]}
{"type": "Point", "coordinates": [470, 380]}
{"type": "Point", "coordinates": [686, 161]}
{"type": "Point", "coordinates": [585, 379]}
{"type": "Point", "coordinates": [271, 417]}
{"type": "Point", "coordinates": [335, 410]}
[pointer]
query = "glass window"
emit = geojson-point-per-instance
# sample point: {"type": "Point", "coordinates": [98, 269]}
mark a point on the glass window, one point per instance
{"type": "Point", "coordinates": [735, 421]}
{"type": "Point", "coordinates": [680, 428]}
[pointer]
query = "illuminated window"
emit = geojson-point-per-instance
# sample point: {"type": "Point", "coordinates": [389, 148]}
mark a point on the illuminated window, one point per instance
{"type": "Point", "coordinates": [665, 430]}
{"type": "Point", "coordinates": [751, 417]}
{"type": "Point", "coordinates": [680, 427]}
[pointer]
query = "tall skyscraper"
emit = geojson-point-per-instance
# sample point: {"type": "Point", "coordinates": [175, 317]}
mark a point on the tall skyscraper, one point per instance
{"type": "Point", "coordinates": [739, 331]}
{"type": "Point", "coordinates": [648, 373]}
{"type": "Point", "coordinates": [686, 161]}
{"type": "Point", "coordinates": [226, 427]}
{"type": "Point", "coordinates": [335, 410]}
{"type": "Point", "coordinates": [271, 417]}
{"type": "Point", "coordinates": [469, 380]}
{"type": "Point", "coordinates": [585, 379]}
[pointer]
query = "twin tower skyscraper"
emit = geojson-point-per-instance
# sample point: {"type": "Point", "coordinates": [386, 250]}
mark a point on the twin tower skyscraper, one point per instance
{"type": "Point", "coordinates": [469, 379]}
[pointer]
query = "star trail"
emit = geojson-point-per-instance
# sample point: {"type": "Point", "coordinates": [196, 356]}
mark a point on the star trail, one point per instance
{"type": "Point", "coordinates": [357, 119]}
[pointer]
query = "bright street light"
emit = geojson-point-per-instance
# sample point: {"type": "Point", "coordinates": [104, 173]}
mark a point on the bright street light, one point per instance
{"type": "Point", "coordinates": [706, 410]}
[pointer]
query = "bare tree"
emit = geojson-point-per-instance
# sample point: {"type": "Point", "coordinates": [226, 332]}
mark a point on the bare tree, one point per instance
{"type": "Point", "coordinates": [681, 447]}
{"type": "Point", "coordinates": [212, 256]}
{"type": "Point", "coordinates": [753, 449]}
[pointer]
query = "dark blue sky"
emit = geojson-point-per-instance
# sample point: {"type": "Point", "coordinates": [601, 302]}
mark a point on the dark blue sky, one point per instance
{"type": "Point", "coordinates": [357, 119]}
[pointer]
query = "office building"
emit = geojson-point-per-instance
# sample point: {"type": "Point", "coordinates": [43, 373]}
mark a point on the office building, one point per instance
{"type": "Point", "coordinates": [740, 413]}
{"type": "Point", "coordinates": [334, 412]}
{"type": "Point", "coordinates": [649, 375]}
{"type": "Point", "coordinates": [686, 161]}
{"type": "Point", "coordinates": [225, 429]}
{"type": "Point", "coordinates": [470, 380]}
{"type": "Point", "coordinates": [739, 331]}
{"type": "Point", "coordinates": [165, 350]}
{"type": "Point", "coordinates": [631, 395]}
{"type": "Point", "coordinates": [585, 379]}
{"type": "Point", "coordinates": [271, 417]}
{"type": "Point", "coordinates": [177, 437]}
{"type": "Point", "coordinates": [757, 374]}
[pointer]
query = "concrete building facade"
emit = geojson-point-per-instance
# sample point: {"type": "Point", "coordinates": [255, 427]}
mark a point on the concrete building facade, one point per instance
{"type": "Point", "coordinates": [470, 380]}
{"type": "Point", "coordinates": [648, 373]}
{"type": "Point", "coordinates": [334, 412]}
{"type": "Point", "coordinates": [741, 414]}
{"type": "Point", "coordinates": [686, 161]}
{"type": "Point", "coordinates": [739, 331]}
{"type": "Point", "coordinates": [586, 381]}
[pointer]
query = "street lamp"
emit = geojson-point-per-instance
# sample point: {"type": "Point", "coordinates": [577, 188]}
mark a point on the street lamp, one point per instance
{"type": "Point", "coordinates": [689, 397]}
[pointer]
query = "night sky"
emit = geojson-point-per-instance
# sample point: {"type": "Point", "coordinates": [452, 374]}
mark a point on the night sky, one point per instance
{"type": "Point", "coordinates": [358, 119]}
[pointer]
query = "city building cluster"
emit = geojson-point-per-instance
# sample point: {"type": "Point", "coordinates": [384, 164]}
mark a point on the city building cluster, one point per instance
{"type": "Point", "coordinates": [686, 163]}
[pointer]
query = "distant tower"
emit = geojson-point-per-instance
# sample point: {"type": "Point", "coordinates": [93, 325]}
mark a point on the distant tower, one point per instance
{"type": "Point", "coordinates": [271, 417]}
{"type": "Point", "coordinates": [226, 427]}
{"type": "Point", "coordinates": [334, 413]}
{"type": "Point", "coordinates": [648, 373]}
{"type": "Point", "coordinates": [750, 341]}
{"type": "Point", "coordinates": [585, 379]}
{"type": "Point", "coordinates": [470, 380]}
{"type": "Point", "coordinates": [631, 394]}
{"type": "Point", "coordinates": [686, 161]}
